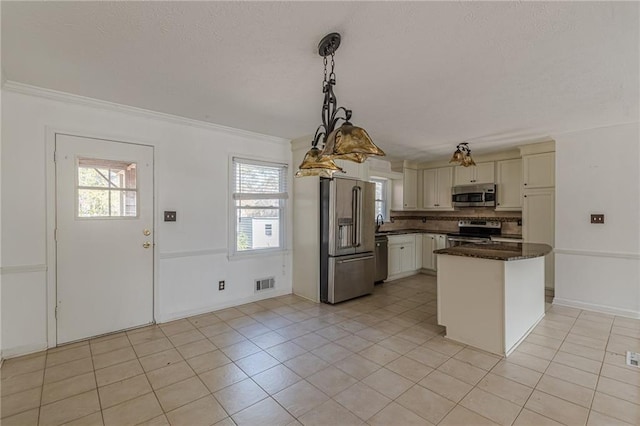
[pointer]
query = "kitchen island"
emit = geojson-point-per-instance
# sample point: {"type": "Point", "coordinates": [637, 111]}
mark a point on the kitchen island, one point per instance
{"type": "Point", "coordinates": [491, 295]}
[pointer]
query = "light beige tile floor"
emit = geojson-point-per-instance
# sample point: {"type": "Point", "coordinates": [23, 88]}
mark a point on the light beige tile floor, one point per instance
{"type": "Point", "coordinates": [377, 360]}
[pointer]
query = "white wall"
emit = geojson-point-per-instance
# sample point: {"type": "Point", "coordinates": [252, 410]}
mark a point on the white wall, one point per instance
{"type": "Point", "coordinates": [191, 177]}
{"type": "Point", "coordinates": [598, 266]}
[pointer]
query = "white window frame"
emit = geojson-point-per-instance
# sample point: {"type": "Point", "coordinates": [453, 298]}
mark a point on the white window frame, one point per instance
{"type": "Point", "coordinates": [283, 196]}
{"type": "Point", "coordinates": [385, 197]}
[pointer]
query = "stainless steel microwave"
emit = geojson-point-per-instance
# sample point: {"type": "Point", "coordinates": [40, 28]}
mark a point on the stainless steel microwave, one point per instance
{"type": "Point", "coordinates": [481, 195]}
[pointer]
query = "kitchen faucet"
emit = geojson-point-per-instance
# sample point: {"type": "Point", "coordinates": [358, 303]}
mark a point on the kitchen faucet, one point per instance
{"type": "Point", "coordinates": [379, 221]}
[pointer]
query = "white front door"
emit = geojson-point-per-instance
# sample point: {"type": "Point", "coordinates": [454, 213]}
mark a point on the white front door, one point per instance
{"type": "Point", "coordinates": [104, 236]}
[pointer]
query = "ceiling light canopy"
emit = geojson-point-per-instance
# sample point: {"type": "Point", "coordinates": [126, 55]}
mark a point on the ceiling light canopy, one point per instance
{"type": "Point", "coordinates": [462, 155]}
{"type": "Point", "coordinates": [346, 142]}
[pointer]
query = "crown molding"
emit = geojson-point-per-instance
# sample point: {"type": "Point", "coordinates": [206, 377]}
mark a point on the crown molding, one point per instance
{"type": "Point", "coordinates": [69, 98]}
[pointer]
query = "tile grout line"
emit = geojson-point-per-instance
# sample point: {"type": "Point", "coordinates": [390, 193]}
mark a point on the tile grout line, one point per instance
{"type": "Point", "coordinates": [95, 377]}
{"type": "Point", "coordinates": [44, 370]}
{"type": "Point", "coordinates": [535, 387]}
{"type": "Point", "coordinates": [595, 390]}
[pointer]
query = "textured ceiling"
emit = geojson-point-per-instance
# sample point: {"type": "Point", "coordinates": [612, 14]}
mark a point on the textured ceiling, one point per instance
{"type": "Point", "coordinates": [419, 76]}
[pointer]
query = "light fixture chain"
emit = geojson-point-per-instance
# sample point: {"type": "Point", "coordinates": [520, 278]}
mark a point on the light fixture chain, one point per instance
{"type": "Point", "coordinates": [325, 72]}
{"type": "Point", "coordinates": [332, 76]}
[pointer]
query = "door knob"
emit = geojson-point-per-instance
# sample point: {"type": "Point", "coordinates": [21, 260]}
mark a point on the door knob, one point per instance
{"type": "Point", "coordinates": [146, 232]}
{"type": "Point", "coordinates": [147, 244]}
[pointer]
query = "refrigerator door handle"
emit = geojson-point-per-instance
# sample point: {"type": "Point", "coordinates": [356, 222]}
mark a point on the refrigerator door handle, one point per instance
{"type": "Point", "coordinates": [356, 211]}
{"type": "Point", "coordinates": [357, 259]}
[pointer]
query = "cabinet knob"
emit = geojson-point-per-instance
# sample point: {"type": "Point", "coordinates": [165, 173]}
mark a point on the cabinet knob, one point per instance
{"type": "Point", "coordinates": [401, 248]}
{"type": "Point", "coordinates": [525, 184]}
{"type": "Point", "coordinates": [525, 196]}
{"type": "Point", "coordinates": [498, 204]}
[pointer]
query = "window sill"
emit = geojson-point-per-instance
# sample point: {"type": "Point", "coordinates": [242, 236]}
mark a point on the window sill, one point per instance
{"type": "Point", "coordinates": [257, 254]}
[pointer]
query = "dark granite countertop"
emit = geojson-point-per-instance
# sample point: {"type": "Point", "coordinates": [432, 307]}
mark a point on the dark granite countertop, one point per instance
{"type": "Point", "coordinates": [498, 251]}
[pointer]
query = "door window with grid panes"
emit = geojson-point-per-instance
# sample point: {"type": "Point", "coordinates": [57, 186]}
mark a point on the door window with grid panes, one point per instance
{"type": "Point", "coordinates": [106, 189]}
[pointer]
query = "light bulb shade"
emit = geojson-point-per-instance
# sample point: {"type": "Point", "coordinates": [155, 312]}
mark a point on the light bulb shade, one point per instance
{"type": "Point", "coordinates": [458, 157]}
{"type": "Point", "coordinates": [315, 165]}
{"type": "Point", "coordinates": [468, 161]}
{"type": "Point", "coordinates": [349, 142]}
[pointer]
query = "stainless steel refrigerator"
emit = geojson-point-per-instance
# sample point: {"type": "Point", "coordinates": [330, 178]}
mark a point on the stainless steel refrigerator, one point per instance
{"type": "Point", "coordinates": [347, 239]}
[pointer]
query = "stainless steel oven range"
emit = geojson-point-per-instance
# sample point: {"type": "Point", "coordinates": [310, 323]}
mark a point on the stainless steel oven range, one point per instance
{"type": "Point", "coordinates": [474, 231]}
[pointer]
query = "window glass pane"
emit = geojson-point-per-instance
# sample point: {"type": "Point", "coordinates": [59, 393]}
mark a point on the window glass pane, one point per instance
{"type": "Point", "coordinates": [258, 203]}
{"type": "Point", "coordinates": [93, 176]}
{"type": "Point", "coordinates": [93, 202]}
{"type": "Point", "coordinates": [123, 203]}
{"type": "Point", "coordinates": [258, 179]}
{"type": "Point", "coordinates": [251, 229]}
{"type": "Point", "coordinates": [378, 190]}
{"type": "Point", "coordinates": [379, 208]}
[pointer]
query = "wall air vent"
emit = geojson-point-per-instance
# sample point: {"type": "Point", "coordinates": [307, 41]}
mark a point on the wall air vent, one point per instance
{"type": "Point", "coordinates": [265, 283]}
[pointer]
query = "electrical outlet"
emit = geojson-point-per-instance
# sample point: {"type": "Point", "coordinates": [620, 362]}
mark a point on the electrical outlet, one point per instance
{"type": "Point", "coordinates": [170, 216]}
{"type": "Point", "coordinates": [220, 285]}
{"type": "Point", "coordinates": [597, 218]}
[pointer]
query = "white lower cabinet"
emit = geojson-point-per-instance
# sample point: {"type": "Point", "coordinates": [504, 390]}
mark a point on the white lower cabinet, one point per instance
{"type": "Point", "coordinates": [431, 242]}
{"type": "Point", "coordinates": [402, 256]}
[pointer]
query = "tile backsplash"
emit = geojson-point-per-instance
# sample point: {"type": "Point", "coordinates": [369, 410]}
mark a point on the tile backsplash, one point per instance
{"type": "Point", "coordinates": [447, 221]}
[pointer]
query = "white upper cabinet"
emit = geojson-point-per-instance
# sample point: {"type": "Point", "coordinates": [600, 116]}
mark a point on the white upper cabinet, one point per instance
{"type": "Point", "coordinates": [436, 188]}
{"type": "Point", "coordinates": [509, 184]}
{"type": "Point", "coordinates": [539, 170]}
{"type": "Point", "coordinates": [410, 187]}
{"type": "Point", "coordinates": [405, 190]}
{"type": "Point", "coordinates": [480, 173]}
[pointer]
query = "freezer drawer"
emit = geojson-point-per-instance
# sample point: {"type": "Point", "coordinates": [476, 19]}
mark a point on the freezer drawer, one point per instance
{"type": "Point", "coordinates": [350, 276]}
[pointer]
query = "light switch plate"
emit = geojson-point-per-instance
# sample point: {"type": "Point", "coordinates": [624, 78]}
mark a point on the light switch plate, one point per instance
{"type": "Point", "coordinates": [597, 218]}
{"type": "Point", "coordinates": [170, 216]}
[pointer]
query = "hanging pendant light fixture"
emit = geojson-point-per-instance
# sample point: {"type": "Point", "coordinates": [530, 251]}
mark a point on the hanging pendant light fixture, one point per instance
{"type": "Point", "coordinates": [462, 155]}
{"type": "Point", "coordinates": [346, 142]}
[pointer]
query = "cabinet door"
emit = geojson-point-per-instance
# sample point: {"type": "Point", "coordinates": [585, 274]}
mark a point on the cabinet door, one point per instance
{"type": "Point", "coordinates": [410, 189]}
{"type": "Point", "coordinates": [444, 183]}
{"type": "Point", "coordinates": [484, 172]}
{"type": "Point", "coordinates": [428, 246]}
{"type": "Point", "coordinates": [353, 169]}
{"type": "Point", "coordinates": [408, 257]}
{"type": "Point", "coordinates": [539, 170]}
{"type": "Point", "coordinates": [538, 224]}
{"type": "Point", "coordinates": [463, 175]}
{"type": "Point", "coordinates": [441, 241]}
{"type": "Point", "coordinates": [395, 262]}
{"type": "Point", "coordinates": [538, 216]}
{"type": "Point", "coordinates": [429, 188]}
{"type": "Point", "coordinates": [509, 184]}
{"type": "Point", "coordinates": [418, 250]}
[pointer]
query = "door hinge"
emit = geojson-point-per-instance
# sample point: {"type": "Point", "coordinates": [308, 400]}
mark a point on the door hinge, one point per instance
{"type": "Point", "coordinates": [56, 312]}
{"type": "Point", "coordinates": [55, 234]}
{"type": "Point", "coordinates": [55, 156]}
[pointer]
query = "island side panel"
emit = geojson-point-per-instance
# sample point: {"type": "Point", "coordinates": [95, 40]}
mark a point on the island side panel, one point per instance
{"type": "Point", "coordinates": [471, 301]}
{"type": "Point", "coordinates": [524, 298]}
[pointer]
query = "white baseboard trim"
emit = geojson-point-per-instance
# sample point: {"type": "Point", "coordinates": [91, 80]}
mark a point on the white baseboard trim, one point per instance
{"type": "Point", "coordinates": [23, 350]}
{"type": "Point", "coordinates": [618, 255]}
{"type": "Point", "coordinates": [22, 269]}
{"type": "Point", "coordinates": [628, 313]}
{"type": "Point", "coordinates": [401, 275]}
{"type": "Point", "coordinates": [172, 316]}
